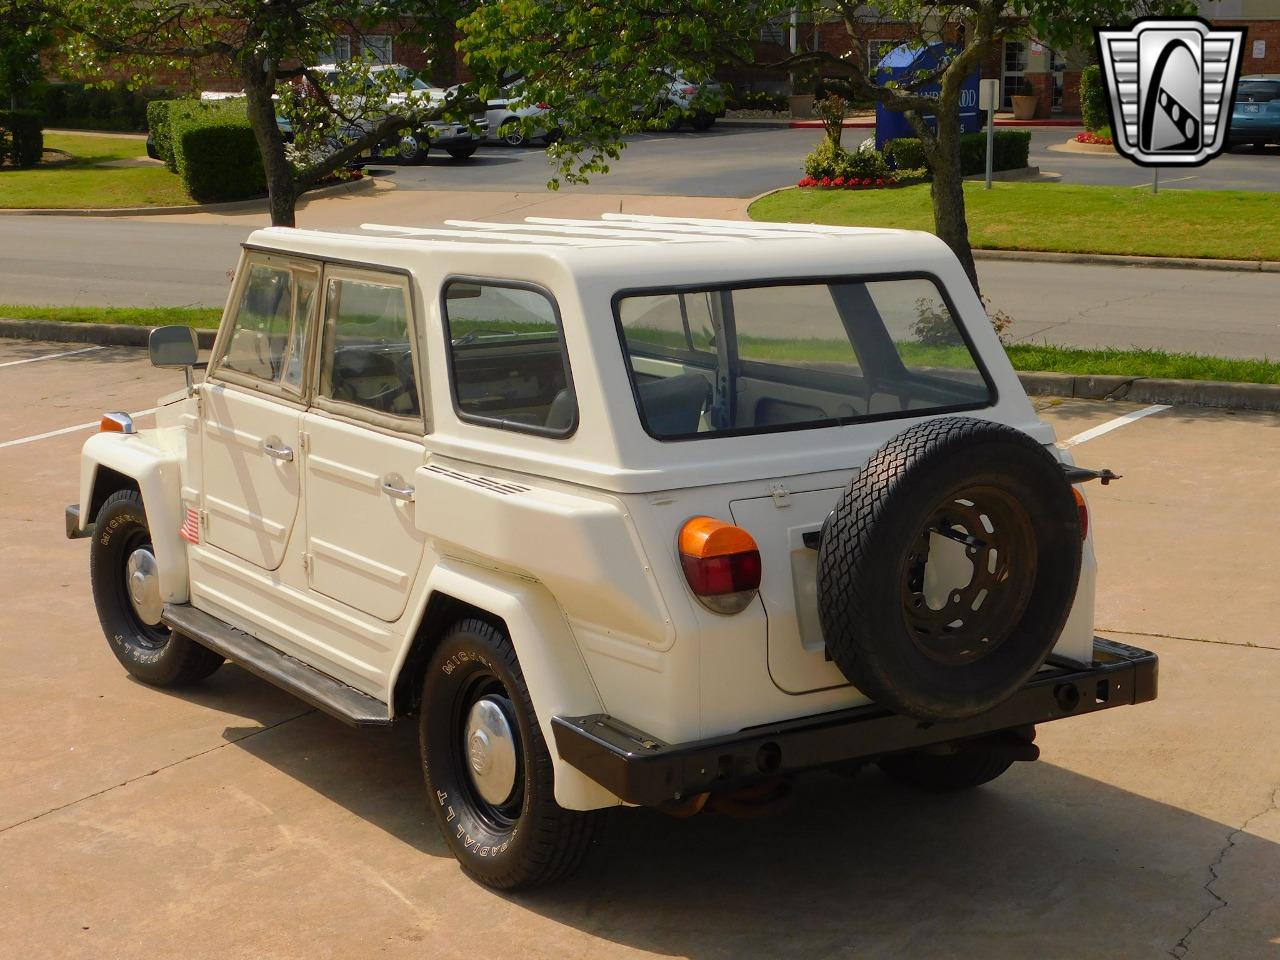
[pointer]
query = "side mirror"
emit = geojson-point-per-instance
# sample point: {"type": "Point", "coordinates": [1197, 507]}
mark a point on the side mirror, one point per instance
{"type": "Point", "coordinates": [173, 347]}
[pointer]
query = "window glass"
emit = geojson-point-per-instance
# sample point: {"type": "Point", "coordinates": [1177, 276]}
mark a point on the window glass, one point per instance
{"type": "Point", "coordinates": [507, 356]}
{"type": "Point", "coordinates": [268, 339]}
{"type": "Point", "coordinates": [366, 357]}
{"type": "Point", "coordinates": [784, 356]}
{"type": "Point", "coordinates": [377, 47]}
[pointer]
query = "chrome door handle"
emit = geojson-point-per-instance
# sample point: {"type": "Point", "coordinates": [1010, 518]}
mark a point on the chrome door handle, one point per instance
{"type": "Point", "coordinates": [403, 494]}
{"type": "Point", "coordinates": [280, 453]}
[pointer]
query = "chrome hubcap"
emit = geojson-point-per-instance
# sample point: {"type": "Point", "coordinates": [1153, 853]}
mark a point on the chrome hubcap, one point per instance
{"type": "Point", "coordinates": [143, 579]}
{"type": "Point", "coordinates": [408, 146]}
{"type": "Point", "coordinates": [490, 746]}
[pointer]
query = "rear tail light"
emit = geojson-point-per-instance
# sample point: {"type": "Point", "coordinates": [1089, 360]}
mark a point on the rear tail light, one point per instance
{"type": "Point", "coordinates": [689, 91]}
{"type": "Point", "coordinates": [544, 106]}
{"type": "Point", "coordinates": [1083, 510]}
{"type": "Point", "coordinates": [721, 562]}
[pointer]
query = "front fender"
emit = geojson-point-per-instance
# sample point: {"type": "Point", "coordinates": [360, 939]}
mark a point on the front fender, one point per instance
{"type": "Point", "coordinates": [156, 469]}
{"type": "Point", "coordinates": [553, 668]}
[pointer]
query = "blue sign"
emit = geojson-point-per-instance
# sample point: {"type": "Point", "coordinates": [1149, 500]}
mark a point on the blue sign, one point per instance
{"type": "Point", "coordinates": [903, 64]}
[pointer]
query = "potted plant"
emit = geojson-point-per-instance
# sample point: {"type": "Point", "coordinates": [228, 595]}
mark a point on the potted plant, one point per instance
{"type": "Point", "coordinates": [801, 104]}
{"type": "Point", "coordinates": [1025, 106]}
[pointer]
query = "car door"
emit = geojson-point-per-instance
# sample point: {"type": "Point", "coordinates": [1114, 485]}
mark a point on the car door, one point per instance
{"type": "Point", "coordinates": [363, 442]}
{"type": "Point", "coordinates": [251, 411]}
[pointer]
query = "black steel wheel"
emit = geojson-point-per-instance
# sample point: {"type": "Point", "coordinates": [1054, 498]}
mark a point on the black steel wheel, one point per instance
{"type": "Point", "coordinates": [489, 776]}
{"type": "Point", "coordinates": [948, 568]}
{"type": "Point", "coordinates": [126, 592]}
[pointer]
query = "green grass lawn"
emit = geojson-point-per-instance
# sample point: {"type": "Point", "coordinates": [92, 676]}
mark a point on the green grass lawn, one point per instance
{"type": "Point", "coordinates": [1219, 224]}
{"type": "Point", "coordinates": [206, 317]}
{"type": "Point", "coordinates": [86, 183]}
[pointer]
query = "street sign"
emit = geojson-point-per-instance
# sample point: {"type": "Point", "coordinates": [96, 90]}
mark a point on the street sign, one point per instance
{"type": "Point", "coordinates": [988, 94]}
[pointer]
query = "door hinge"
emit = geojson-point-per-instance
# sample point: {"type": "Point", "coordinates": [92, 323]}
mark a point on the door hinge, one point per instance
{"type": "Point", "coordinates": [781, 496]}
{"type": "Point", "coordinates": [304, 441]}
{"type": "Point", "coordinates": [204, 522]}
{"type": "Point", "coordinates": [306, 562]}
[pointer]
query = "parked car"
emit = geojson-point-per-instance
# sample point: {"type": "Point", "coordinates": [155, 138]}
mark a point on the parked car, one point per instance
{"type": "Point", "coordinates": [638, 511]}
{"type": "Point", "coordinates": [700, 104]}
{"type": "Point", "coordinates": [1255, 118]}
{"type": "Point", "coordinates": [507, 113]}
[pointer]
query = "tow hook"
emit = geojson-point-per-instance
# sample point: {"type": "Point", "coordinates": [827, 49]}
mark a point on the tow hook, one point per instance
{"type": "Point", "coordinates": [1084, 474]}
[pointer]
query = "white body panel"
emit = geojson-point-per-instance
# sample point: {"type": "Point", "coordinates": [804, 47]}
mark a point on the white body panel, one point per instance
{"type": "Point", "coordinates": [569, 540]}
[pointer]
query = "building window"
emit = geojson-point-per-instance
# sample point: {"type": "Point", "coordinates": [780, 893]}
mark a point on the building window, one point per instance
{"type": "Point", "coordinates": [377, 48]}
{"type": "Point", "coordinates": [774, 31]}
{"type": "Point", "coordinates": [877, 50]}
{"type": "Point", "coordinates": [340, 52]}
{"type": "Point", "coordinates": [1014, 82]}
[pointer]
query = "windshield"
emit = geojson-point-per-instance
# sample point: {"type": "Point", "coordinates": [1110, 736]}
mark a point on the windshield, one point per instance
{"type": "Point", "coordinates": [1254, 91]}
{"type": "Point", "coordinates": [751, 359]}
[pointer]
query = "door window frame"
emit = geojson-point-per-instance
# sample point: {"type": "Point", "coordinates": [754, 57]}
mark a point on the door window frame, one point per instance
{"type": "Point", "coordinates": [418, 426]}
{"type": "Point", "coordinates": [220, 373]}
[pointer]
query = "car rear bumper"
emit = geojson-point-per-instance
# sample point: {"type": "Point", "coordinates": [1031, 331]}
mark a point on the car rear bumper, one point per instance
{"type": "Point", "coordinates": [641, 769]}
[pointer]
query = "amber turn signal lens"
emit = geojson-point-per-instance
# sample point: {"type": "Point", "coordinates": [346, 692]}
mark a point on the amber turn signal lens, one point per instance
{"type": "Point", "coordinates": [1083, 510]}
{"type": "Point", "coordinates": [109, 424]}
{"type": "Point", "coordinates": [721, 562]}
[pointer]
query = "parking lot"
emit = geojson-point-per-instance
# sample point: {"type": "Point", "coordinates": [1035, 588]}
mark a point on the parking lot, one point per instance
{"type": "Point", "coordinates": [232, 821]}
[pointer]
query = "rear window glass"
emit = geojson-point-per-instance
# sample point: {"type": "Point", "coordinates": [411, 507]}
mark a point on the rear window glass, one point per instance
{"type": "Point", "coordinates": [507, 359]}
{"type": "Point", "coordinates": [1255, 91]}
{"type": "Point", "coordinates": [711, 362]}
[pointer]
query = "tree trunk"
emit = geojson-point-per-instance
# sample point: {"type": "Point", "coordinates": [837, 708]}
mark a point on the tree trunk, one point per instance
{"type": "Point", "coordinates": [947, 190]}
{"type": "Point", "coordinates": [259, 85]}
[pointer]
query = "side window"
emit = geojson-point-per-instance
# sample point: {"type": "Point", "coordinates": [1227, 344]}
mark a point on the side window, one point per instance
{"type": "Point", "coordinates": [507, 358]}
{"type": "Point", "coordinates": [269, 333]}
{"type": "Point", "coordinates": [366, 358]}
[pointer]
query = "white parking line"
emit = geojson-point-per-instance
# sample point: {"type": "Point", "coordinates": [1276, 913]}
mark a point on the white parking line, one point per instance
{"type": "Point", "coordinates": [50, 356]}
{"type": "Point", "coordinates": [1113, 425]}
{"type": "Point", "coordinates": [58, 433]}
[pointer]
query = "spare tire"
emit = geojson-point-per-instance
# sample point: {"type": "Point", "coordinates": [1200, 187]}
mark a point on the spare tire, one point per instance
{"type": "Point", "coordinates": [948, 568]}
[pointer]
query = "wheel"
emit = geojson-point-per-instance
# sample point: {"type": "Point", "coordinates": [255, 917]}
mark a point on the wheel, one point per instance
{"type": "Point", "coordinates": [972, 764]}
{"type": "Point", "coordinates": [126, 591]}
{"type": "Point", "coordinates": [512, 133]}
{"type": "Point", "coordinates": [411, 149]}
{"type": "Point", "coordinates": [462, 153]}
{"type": "Point", "coordinates": [702, 120]}
{"type": "Point", "coordinates": [488, 773]}
{"type": "Point", "coordinates": [947, 569]}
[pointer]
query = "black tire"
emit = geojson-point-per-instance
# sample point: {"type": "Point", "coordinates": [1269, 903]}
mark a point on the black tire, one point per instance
{"type": "Point", "coordinates": [702, 120]}
{"type": "Point", "coordinates": [149, 651]}
{"type": "Point", "coordinates": [527, 839]}
{"type": "Point", "coordinates": [1005, 497]}
{"type": "Point", "coordinates": [458, 154]}
{"type": "Point", "coordinates": [971, 764]}
{"type": "Point", "coordinates": [512, 133]}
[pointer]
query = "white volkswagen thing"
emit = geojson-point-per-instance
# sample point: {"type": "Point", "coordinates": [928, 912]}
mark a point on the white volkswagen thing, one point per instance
{"type": "Point", "coordinates": [638, 511]}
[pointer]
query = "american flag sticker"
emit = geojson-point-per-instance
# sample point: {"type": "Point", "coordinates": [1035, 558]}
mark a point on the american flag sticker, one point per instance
{"type": "Point", "coordinates": [191, 527]}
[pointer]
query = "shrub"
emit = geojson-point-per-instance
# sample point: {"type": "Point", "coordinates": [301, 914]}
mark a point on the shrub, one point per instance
{"type": "Point", "coordinates": [215, 151]}
{"type": "Point", "coordinates": [97, 108]}
{"type": "Point", "coordinates": [1010, 150]}
{"type": "Point", "coordinates": [158, 119]}
{"type": "Point", "coordinates": [757, 100]}
{"type": "Point", "coordinates": [1093, 99]}
{"type": "Point", "coordinates": [21, 137]}
{"type": "Point", "coordinates": [831, 160]}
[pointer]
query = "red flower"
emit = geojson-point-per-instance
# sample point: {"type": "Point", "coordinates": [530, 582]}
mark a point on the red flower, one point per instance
{"type": "Point", "coordinates": [838, 182]}
{"type": "Point", "coordinates": [825, 181]}
{"type": "Point", "coordinates": [879, 181]}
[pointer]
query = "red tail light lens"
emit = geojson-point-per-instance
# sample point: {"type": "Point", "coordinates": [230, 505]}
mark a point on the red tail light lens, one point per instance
{"type": "Point", "coordinates": [721, 562]}
{"type": "Point", "coordinates": [689, 91]}
{"type": "Point", "coordinates": [544, 106]}
{"type": "Point", "coordinates": [1083, 510]}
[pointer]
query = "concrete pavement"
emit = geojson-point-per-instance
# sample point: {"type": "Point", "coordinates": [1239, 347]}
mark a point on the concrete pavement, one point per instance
{"type": "Point", "coordinates": [230, 821]}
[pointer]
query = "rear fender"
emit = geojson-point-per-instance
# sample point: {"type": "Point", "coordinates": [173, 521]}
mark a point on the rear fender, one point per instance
{"type": "Point", "coordinates": [157, 472]}
{"type": "Point", "coordinates": [553, 668]}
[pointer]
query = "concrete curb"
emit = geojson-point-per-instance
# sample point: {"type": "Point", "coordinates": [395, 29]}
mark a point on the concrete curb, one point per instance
{"type": "Point", "coordinates": [1118, 260]}
{"type": "Point", "coordinates": [105, 334]}
{"type": "Point", "coordinates": [236, 206]}
{"type": "Point", "coordinates": [1198, 393]}
{"type": "Point", "coordinates": [1201, 393]}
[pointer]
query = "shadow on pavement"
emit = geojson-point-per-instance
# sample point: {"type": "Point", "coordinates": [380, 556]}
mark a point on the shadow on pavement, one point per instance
{"type": "Point", "coordinates": [1042, 863]}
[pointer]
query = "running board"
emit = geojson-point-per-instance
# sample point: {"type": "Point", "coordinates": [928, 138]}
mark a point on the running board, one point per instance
{"type": "Point", "coordinates": [306, 683]}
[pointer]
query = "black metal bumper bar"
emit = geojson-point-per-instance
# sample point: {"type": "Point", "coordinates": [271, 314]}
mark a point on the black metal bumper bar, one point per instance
{"type": "Point", "coordinates": [642, 769]}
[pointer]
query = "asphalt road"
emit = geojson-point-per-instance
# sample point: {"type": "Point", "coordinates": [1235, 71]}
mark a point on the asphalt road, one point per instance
{"type": "Point", "coordinates": [745, 162]}
{"type": "Point", "coordinates": [231, 821]}
{"type": "Point", "coordinates": [85, 261]}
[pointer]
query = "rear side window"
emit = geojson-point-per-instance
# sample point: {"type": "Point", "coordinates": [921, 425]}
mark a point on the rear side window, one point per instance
{"type": "Point", "coordinates": [507, 358]}
{"type": "Point", "coordinates": [268, 339]}
{"type": "Point", "coordinates": [366, 358]}
{"type": "Point", "coordinates": [767, 357]}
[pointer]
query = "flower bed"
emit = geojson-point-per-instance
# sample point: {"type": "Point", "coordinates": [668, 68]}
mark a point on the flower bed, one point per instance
{"type": "Point", "coordinates": [861, 183]}
{"type": "Point", "coordinates": [1091, 137]}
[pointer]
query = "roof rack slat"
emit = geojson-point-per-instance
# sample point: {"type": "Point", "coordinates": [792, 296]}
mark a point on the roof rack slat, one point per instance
{"type": "Point", "coordinates": [481, 236]}
{"type": "Point", "coordinates": [583, 228]}
{"type": "Point", "coordinates": [812, 229]}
